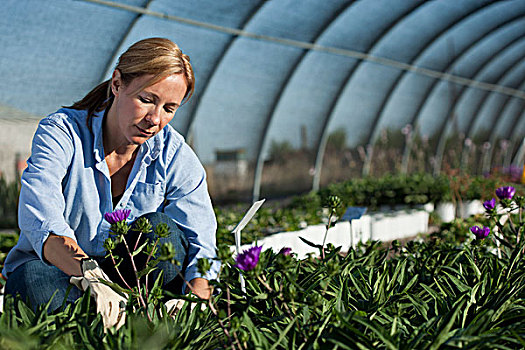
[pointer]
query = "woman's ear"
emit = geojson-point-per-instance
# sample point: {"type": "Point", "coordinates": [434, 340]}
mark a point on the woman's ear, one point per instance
{"type": "Point", "coordinates": [116, 82]}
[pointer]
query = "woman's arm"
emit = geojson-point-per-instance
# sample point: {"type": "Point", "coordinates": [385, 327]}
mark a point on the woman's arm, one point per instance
{"type": "Point", "coordinates": [64, 253]}
{"type": "Point", "coordinates": [41, 203]}
{"type": "Point", "coordinates": [189, 205]}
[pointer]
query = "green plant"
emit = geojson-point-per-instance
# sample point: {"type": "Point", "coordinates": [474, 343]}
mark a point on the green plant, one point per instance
{"type": "Point", "coordinates": [141, 297]}
{"type": "Point", "coordinates": [446, 292]}
{"type": "Point", "coordinates": [8, 203]}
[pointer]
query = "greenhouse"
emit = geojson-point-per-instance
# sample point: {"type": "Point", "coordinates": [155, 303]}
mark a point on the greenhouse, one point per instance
{"type": "Point", "coordinates": [386, 136]}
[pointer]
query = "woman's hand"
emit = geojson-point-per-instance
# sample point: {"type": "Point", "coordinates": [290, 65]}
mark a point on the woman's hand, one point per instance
{"type": "Point", "coordinates": [200, 287]}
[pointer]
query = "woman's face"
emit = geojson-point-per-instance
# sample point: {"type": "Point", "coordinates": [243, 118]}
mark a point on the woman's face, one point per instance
{"type": "Point", "coordinates": [140, 116]}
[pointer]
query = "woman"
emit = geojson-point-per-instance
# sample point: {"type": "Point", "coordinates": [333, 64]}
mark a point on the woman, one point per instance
{"type": "Point", "coordinates": [112, 150]}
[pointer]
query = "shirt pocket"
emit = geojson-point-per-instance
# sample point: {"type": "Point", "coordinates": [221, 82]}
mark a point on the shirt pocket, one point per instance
{"type": "Point", "coordinates": [147, 197]}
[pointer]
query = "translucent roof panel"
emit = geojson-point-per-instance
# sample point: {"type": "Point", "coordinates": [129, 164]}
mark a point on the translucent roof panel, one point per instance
{"type": "Point", "coordinates": [251, 73]}
{"type": "Point", "coordinates": [53, 52]}
{"type": "Point", "coordinates": [319, 77]}
{"type": "Point", "coordinates": [446, 55]}
{"type": "Point", "coordinates": [270, 70]}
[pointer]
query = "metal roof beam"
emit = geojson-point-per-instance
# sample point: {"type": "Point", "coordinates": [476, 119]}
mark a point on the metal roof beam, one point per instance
{"type": "Point", "coordinates": [440, 149]}
{"type": "Point", "coordinates": [259, 164]}
{"type": "Point", "coordinates": [374, 130]}
{"type": "Point", "coordinates": [414, 121]}
{"type": "Point", "coordinates": [321, 143]}
{"type": "Point", "coordinates": [327, 49]}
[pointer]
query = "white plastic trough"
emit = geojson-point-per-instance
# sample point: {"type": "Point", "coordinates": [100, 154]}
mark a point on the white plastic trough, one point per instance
{"type": "Point", "coordinates": [447, 210]}
{"type": "Point", "coordinates": [383, 226]}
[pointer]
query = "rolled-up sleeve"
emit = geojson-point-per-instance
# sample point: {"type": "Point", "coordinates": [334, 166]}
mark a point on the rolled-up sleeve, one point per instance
{"type": "Point", "coordinates": [41, 205]}
{"type": "Point", "coordinates": [189, 205]}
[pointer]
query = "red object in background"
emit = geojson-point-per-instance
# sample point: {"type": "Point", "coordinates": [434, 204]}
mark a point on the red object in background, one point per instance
{"type": "Point", "coordinates": [21, 164]}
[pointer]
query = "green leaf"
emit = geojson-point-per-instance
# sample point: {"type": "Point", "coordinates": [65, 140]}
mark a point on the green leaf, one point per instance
{"type": "Point", "coordinates": [260, 296]}
{"type": "Point", "coordinates": [283, 333]}
{"type": "Point", "coordinates": [311, 244]}
{"type": "Point", "coordinates": [444, 333]}
{"type": "Point", "coordinates": [140, 248]}
{"type": "Point", "coordinates": [145, 271]}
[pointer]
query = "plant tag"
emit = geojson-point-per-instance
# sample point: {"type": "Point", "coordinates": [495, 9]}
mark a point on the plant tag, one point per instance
{"type": "Point", "coordinates": [244, 221]}
{"type": "Point", "coordinates": [237, 232]}
{"type": "Point", "coordinates": [353, 213]}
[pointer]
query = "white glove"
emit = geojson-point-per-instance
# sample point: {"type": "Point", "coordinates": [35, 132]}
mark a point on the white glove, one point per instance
{"type": "Point", "coordinates": [110, 304]}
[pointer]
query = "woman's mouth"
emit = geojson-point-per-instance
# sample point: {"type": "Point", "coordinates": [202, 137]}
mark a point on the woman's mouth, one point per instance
{"type": "Point", "coordinates": [144, 132]}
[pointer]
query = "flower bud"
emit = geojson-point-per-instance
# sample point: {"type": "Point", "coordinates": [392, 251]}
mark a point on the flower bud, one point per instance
{"type": "Point", "coordinates": [480, 233]}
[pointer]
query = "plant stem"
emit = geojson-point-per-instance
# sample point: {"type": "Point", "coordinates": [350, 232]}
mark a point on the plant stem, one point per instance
{"type": "Point", "coordinates": [264, 283]}
{"type": "Point", "coordinates": [229, 301]}
{"type": "Point", "coordinates": [141, 298]}
{"type": "Point", "coordinates": [147, 261]}
{"type": "Point", "coordinates": [138, 240]}
{"type": "Point", "coordinates": [224, 329]}
{"type": "Point", "coordinates": [118, 271]}
{"type": "Point", "coordinates": [326, 233]}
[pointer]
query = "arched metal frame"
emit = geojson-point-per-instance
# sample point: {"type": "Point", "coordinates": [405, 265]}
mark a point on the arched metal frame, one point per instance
{"type": "Point", "coordinates": [414, 120]}
{"type": "Point", "coordinates": [487, 161]}
{"type": "Point", "coordinates": [442, 133]}
{"type": "Point", "coordinates": [441, 145]}
{"type": "Point", "coordinates": [483, 101]}
{"type": "Point", "coordinates": [498, 121]}
{"type": "Point", "coordinates": [322, 140]}
{"type": "Point", "coordinates": [374, 129]}
{"type": "Point", "coordinates": [264, 93]}
{"type": "Point", "coordinates": [259, 163]}
{"type": "Point", "coordinates": [189, 130]}
{"type": "Point", "coordinates": [265, 136]}
{"type": "Point", "coordinates": [328, 118]}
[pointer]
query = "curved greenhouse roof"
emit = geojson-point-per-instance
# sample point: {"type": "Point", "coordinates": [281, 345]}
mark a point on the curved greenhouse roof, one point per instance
{"type": "Point", "coordinates": [292, 71]}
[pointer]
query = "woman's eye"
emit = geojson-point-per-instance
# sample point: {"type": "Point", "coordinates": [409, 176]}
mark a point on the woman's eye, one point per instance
{"type": "Point", "coordinates": [144, 100]}
{"type": "Point", "coordinates": [169, 110]}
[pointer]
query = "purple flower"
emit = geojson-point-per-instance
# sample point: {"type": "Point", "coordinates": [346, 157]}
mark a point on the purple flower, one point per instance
{"type": "Point", "coordinates": [480, 233]}
{"type": "Point", "coordinates": [489, 205]}
{"type": "Point", "coordinates": [117, 216]}
{"type": "Point", "coordinates": [506, 192]}
{"type": "Point", "coordinates": [285, 251]}
{"type": "Point", "coordinates": [248, 259]}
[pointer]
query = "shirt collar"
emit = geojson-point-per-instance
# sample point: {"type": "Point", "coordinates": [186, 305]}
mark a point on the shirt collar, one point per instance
{"type": "Point", "coordinates": [151, 147]}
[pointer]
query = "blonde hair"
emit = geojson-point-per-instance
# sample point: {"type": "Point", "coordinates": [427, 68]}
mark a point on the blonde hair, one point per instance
{"type": "Point", "coordinates": [158, 57]}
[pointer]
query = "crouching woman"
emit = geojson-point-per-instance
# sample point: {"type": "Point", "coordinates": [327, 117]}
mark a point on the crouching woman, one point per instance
{"type": "Point", "coordinates": [113, 150]}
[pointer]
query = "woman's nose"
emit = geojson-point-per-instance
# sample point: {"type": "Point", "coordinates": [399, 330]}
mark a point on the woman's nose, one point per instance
{"type": "Point", "coordinates": [153, 116]}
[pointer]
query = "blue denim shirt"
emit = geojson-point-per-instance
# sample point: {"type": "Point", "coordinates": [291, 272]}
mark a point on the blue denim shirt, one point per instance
{"type": "Point", "coordinates": [66, 189]}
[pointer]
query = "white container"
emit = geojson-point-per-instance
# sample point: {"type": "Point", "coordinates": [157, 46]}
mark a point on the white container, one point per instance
{"type": "Point", "coordinates": [398, 224]}
{"type": "Point", "coordinates": [446, 211]}
{"type": "Point", "coordinates": [470, 208]}
{"type": "Point", "coordinates": [384, 226]}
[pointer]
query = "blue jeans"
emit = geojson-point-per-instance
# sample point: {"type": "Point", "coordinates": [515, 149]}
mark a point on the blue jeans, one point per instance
{"type": "Point", "coordinates": [36, 282]}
